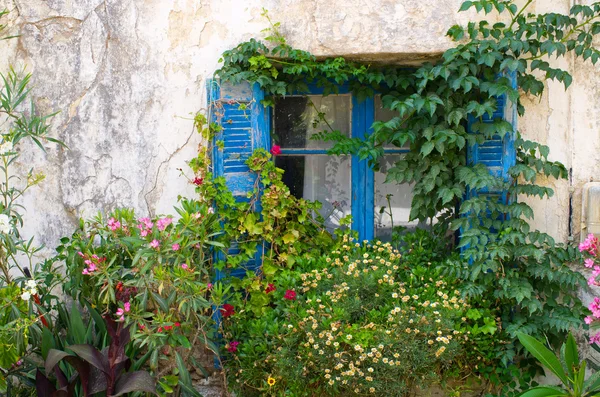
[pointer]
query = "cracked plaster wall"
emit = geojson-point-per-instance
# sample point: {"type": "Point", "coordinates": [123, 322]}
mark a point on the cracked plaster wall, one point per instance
{"type": "Point", "coordinates": [126, 75]}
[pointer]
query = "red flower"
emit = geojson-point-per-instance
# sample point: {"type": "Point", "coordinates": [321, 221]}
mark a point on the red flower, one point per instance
{"type": "Point", "coordinates": [177, 324]}
{"type": "Point", "coordinates": [270, 288]}
{"type": "Point", "coordinates": [159, 329]}
{"type": "Point", "coordinates": [227, 310]}
{"type": "Point", "coordinates": [197, 181]}
{"type": "Point", "coordinates": [290, 295]}
{"type": "Point", "coordinates": [168, 327]}
{"type": "Point", "coordinates": [232, 347]}
{"type": "Point", "coordinates": [276, 150]}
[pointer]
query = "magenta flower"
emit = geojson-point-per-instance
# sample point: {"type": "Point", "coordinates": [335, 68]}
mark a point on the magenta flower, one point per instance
{"type": "Point", "coordinates": [276, 150]}
{"type": "Point", "coordinates": [155, 243]}
{"type": "Point", "coordinates": [595, 338]}
{"type": "Point", "coordinates": [127, 306]}
{"type": "Point", "coordinates": [114, 224]}
{"type": "Point", "coordinates": [209, 286]}
{"type": "Point", "coordinates": [121, 314]}
{"type": "Point", "coordinates": [290, 295]}
{"type": "Point", "coordinates": [184, 266]}
{"type": "Point", "coordinates": [175, 247]}
{"type": "Point", "coordinates": [232, 348]}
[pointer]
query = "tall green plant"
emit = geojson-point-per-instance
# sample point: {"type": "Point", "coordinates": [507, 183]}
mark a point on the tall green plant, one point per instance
{"type": "Point", "coordinates": [566, 366]}
{"type": "Point", "coordinates": [23, 311]}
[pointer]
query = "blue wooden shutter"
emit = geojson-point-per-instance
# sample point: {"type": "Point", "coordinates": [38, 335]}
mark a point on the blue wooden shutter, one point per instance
{"type": "Point", "coordinates": [244, 122]}
{"type": "Point", "coordinates": [498, 153]}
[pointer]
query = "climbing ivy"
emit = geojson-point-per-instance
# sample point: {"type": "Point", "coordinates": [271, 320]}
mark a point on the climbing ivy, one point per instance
{"type": "Point", "coordinates": [444, 108]}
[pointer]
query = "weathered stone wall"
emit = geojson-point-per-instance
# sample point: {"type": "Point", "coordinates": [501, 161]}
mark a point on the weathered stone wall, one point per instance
{"type": "Point", "coordinates": [126, 77]}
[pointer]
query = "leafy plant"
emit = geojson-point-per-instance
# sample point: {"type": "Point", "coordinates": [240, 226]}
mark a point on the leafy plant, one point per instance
{"type": "Point", "coordinates": [567, 367]}
{"type": "Point", "coordinates": [151, 273]}
{"type": "Point", "coordinates": [358, 320]}
{"type": "Point", "coordinates": [443, 109]}
{"type": "Point", "coordinates": [96, 371]}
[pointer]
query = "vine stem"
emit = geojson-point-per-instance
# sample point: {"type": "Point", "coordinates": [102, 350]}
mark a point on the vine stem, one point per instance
{"type": "Point", "coordinates": [519, 14]}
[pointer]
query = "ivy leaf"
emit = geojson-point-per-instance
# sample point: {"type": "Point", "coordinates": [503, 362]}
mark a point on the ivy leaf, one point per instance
{"type": "Point", "coordinates": [466, 5]}
{"type": "Point", "coordinates": [427, 148]}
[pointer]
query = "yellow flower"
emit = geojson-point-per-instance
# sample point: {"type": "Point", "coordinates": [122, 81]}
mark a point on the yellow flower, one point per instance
{"type": "Point", "coordinates": [271, 381]}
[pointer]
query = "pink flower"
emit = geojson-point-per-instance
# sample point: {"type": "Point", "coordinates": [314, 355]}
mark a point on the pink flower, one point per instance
{"type": "Point", "coordinates": [120, 312]}
{"type": "Point", "coordinates": [155, 243]}
{"type": "Point", "coordinates": [85, 272]}
{"type": "Point", "coordinates": [114, 224]}
{"type": "Point", "coordinates": [276, 150]}
{"type": "Point", "coordinates": [175, 247]}
{"type": "Point", "coordinates": [147, 222]}
{"type": "Point", "coordinates": [232, 348]}
{"type": "Point", "coordinates": [127, 306]}
{"type": "Point", "coordinates": [588, 320]}
{"type": "Point", "coordinates": [184, 266]}
{"type": "Point", "coordinates": [209, 286]}
{"type": "Point", "coordinates": [145, 232]}
{"type": "Point", "coordinates": [590, 245]}
{"type": "Point", "coordinates": [81, 254]}
{"type": "Point", "coordinates": [162, 223]}
{"type": "Point", "coordinates": [595, 338]}
{"type": "Point", "coordinates": [290, 295]}
{"type": "Point", "coordinates": [589, 263]}
{"type": "Point", "coordinates": [211, 210]}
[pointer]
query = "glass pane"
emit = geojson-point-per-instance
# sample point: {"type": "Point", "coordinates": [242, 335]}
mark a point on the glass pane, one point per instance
{"type": "Point", "coordinates": [384, 114]}
{"type": "Point", "coordinates": [400, 200]}
{"type": "Point", "coordinates": [320, 178]}
{"type": "Point", "coordinates": [296, 119]}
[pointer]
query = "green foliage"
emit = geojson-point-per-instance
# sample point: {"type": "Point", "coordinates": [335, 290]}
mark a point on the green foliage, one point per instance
{"type": "Point", "coordinates": [286, 230]}
{"type": "Point", "coordinates": [92, 370]}
{"type": "Point", "coordinates": [362, 319]}
{"type": "Point", "coordinates": [566, 366]}
{"type": "Point", "coordinates": [152, 274]}
{"type": "Point", "coordinates": [522, 273]}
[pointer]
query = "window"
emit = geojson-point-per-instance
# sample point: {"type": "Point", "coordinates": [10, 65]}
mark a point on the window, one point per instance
{"type": "Point", "coordinates": [343, 184]}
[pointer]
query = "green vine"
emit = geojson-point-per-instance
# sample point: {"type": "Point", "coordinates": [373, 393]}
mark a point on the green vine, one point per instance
{"type": "Point", "coordinates": [524, 271]}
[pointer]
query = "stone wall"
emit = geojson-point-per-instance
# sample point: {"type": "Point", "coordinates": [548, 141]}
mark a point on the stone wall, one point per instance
{"type": "Point", "coordinates": [126, 77]}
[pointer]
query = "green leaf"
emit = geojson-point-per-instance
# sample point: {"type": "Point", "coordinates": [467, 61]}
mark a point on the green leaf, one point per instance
{"type": "Point", "coordinates": [47, 342]}
{"type": "Point", "coordinates": [77, 329]}
{"type": "Point", "coordinates": [160, 301]}
{"type": "Point", "coordinates": [427, 148]}
{"type": "Point", "coordinates": [543, 392]}
{"type": "Point", "coordinates": [545, 356]}
{"type": "Point", "coordinates": [465, 6]}
{"type": "Point", "coordinates": [571, 354]}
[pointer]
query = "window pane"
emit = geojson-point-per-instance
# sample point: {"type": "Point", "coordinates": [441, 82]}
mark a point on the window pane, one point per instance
{"type": "Point", "coordinates": [320, 178]}
{"type": "Point", "coordinates": [384, 114]}
{"type": "Point", "coordinates": [400, 200]}
{"type": "Point", "coordinates": [296, 119]}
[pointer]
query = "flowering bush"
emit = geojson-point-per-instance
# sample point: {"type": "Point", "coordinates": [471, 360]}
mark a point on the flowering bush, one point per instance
{"type": "Point", "coordinates": [591, 260]}
{"type": "Point", "coordinates": [357, 321]}
{"type": "Point", "coordinates": [152, 273]}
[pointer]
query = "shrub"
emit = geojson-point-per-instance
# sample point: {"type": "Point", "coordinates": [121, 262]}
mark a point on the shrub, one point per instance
{"type": "Point", "coordinates": [356, 321]}
{"type": "Point", "coordinates": [150, 273]}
